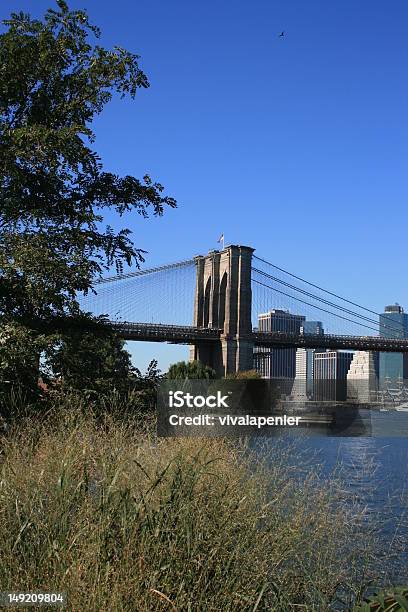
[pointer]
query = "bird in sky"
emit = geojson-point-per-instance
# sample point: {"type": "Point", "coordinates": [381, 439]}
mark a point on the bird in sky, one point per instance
{"type": "Point", "coordinates": [282, 34]}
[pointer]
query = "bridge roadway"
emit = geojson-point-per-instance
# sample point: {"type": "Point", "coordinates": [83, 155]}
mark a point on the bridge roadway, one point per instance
{"type": "Point", "coordinates": [179, 334]}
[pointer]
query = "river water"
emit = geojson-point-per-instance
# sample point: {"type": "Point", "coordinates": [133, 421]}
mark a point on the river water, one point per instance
{"type": "Point", "coordinates": [375, 467]}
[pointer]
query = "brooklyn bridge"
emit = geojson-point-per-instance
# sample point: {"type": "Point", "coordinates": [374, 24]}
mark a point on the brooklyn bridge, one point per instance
{"type": "Point", "coordinates": [217, 303]}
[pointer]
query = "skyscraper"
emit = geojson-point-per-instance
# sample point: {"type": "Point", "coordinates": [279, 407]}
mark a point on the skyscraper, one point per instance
{"type": "Point", "coordinates": [303, 383]}
{"type": "Point", "coordinates": [393, 366]}
{"type": "Point", "coordinates": [330, 375]}
{"type": "Point", "coordinates": [277, 363]}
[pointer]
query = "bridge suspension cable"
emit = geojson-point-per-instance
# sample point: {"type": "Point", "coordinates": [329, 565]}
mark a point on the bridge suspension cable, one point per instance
{"type": "Point", "coordinates": [135, 273]}
{"type": "Point", "coordinates": [314, 306]}
{"type": "Point", "coordinates": [324, 301]}
{"type": "Point", "coordinates": [159, 295]}
{"type": "Point", "coordinates": [164, 295]}
{"type": "Point", "coordinates": [387, 323]}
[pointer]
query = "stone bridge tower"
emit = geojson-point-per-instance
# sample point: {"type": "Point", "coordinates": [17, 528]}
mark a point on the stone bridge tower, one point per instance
{"type": "Point", "coordinates": [223, 299]}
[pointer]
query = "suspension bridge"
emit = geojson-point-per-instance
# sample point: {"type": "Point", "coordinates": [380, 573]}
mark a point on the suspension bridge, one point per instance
{"type": "Point", "coordinates": [229, 304]}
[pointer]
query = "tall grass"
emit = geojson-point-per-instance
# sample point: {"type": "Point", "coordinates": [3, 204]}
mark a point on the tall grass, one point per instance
{"type": "Point", "coordinates": [123, 521]}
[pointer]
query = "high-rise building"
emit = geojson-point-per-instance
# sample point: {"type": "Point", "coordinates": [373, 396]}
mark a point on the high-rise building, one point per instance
{"type": "Point", "coordinates": [330, 375]}
{"type": "Point", "coordinates": [276, 362]}
{"type": "Point", "coordinates": [303, 383]}
{"type": "Point", "coordinates": [393, 366]}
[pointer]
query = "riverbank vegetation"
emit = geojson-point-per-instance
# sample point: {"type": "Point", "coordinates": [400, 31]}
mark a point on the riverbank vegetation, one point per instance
{"type": "Point", "coordinates": [101, 508]}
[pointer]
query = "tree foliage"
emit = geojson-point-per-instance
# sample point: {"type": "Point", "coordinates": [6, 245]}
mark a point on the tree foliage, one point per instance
{"type": "Point", "coordinates": [91, 362]}
{"type": "Point", "coordinates": [20, 352]}
{"type": "Point", "coordinates": [98, 366]}
{"type": "Point", "coordinates": [54, 80]}
{"type": "Point", "coordinates": [54, 191]}
{"type": "Point", "coordinates": [190, 370]}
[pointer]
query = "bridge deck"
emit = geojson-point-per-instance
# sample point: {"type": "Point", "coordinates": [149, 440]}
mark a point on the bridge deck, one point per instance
{"type": "Point", "coordinates": [177, 334]}
{"type": "Point", "coordinates": [327, 341]}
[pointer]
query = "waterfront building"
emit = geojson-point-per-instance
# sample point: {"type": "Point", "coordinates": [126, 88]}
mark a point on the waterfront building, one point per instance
{"type": "Point", "coordinates": [393, 366]}
{"type": "Point", "coordinates": [303, 383]}
{"type": "Point", "coordinates": [362, 377]}
{"type": "Point", "coordinates": [330, 375]}
{"type": "Point", "coordinates": [275, 362]}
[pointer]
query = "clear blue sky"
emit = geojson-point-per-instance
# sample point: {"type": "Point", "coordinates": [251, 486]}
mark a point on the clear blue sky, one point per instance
{"type": "Point", "coordinates": [297, 146]}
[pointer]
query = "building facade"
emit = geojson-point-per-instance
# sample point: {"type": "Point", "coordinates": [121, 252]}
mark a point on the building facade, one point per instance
{"type": "Point", "coordinates": [363, 378]}
{"type": "Point", "coordinates": [393, 366]}
{"type": "Point", "coordinates": [303, 383]}
{"type": "Point", "coordinates": [275, 362]}
{"type": "Point", "coordinates": [330, 375]}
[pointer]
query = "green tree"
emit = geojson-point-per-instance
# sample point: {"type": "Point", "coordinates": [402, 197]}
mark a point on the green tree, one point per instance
{"type": "Point", "coordinates": [53, 189]}
{"type": "Point", "coordinates": [190, 370]}
{"type": "Point", "coordinates": [93, 361]}
{"type": "Point", "coordinates": [54, 80]}
{"type": "Point", "coordinates": [20, 352]}
{"type": "Point", "coordinates": [96, 364]}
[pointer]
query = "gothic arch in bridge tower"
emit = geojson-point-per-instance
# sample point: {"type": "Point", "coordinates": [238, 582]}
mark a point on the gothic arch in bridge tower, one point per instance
{"type": "Point", "coordinates": [223, 301]}
{"type": "Point", "coordinates": [207, 299]}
